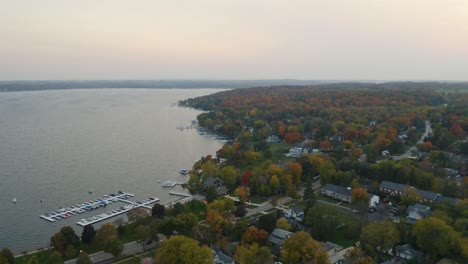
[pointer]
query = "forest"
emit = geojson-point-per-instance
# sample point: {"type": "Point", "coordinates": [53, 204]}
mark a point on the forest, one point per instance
{"type": "Point", "coordinates": [266, 192]}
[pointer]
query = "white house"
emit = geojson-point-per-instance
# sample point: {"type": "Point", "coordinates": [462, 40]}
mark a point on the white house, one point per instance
{"type": "Point", "coordinates": [373, 200]}
{"type": "Point", "coordinates": [295, 212]}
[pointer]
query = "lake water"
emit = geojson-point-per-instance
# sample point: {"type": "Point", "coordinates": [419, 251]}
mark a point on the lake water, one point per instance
{"type": "Point", "coordinates": [55, 146]}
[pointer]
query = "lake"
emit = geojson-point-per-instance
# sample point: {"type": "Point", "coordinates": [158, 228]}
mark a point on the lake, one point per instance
{"type": "Point", "coordinates": [56, 146]}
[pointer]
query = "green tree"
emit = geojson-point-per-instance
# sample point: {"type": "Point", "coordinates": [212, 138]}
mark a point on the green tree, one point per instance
{"type": "Point", "coordinates": [181, 249]}
{"type": "Point", "coordinates": [3, 260]}
{"type": "Point", "coordinates": [327, 171]}
{"type": "Point", "coordinates": [63, 239]}
{"type": "Point", "coordinates": [33, 260]}
{"type": "Point", "coordinates": [83, 258]}
{"type": "Point", "coordinates": [142, 232]}
{"type": "Point", "coordinates": [211, 194]}
{"type": "Point", "coordinates": [308, 191]}
{"type": "Point", "coordinates": [229, 175]}
{"type": "Point", "coordinates": [267, 222]}
{"type": "Point", "coordinates": [301, 248]}
{"type": "Point", "coordinates": [184, 223]}
{"type": "Point", "coordinates": [378, 237]}
{"type": "Point", "coordinates": [55, 258]}
{"type": "Point", "coordinates": [8, 255]}
{"type": "Point", "coordinates": [252, 254]}
{"type": "Point", "coordinates": [114, 247]}
{"type": "Point", "coordinates": [158, 210]}
{"type": "Point", "coordinates": [274, 184]}
{"type": "Point", "coordinates": [88, 234]}
{"type": "Point", "coordinates": [240, 211]}
{"type": "Point", "coordinates": [436, 238]}
{"type": "Point", "coordinates": [283, 224]}
{"type": "Point", "coordinates": [323, 220]}
{"type": "Point", "coordinates": [410, 196]}
{"type": "Point", "coordinates": [106, 234]}
{"type": "Point", "coordinates": [70, 251]}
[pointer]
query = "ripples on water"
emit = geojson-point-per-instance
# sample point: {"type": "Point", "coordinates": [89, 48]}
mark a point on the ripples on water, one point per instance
{"type": "Point", "coordinates": [57, 145]}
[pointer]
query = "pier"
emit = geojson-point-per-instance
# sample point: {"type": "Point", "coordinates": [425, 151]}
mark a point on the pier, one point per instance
{"type": "Point", "coordinates": [180, 194]}
{"type": "Point", "coordinates": [106, 199]}
{"type": "Point", "coordinates": [130, 205]}
{"type": "Point", "coordinates": [170, 183]}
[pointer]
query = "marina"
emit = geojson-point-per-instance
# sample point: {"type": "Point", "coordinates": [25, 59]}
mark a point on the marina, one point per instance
{"type": "Point", "coordinates": [130, 205]}
{"type": "Point", "coordinates": [66, 212]}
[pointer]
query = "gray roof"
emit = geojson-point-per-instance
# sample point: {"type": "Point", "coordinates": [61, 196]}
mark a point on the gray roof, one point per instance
{"type": "Point", "coordinates": [211, 181]}
{"type": "Point", "coordinates": [331, 246]}
{"type": "Point", "coordinates": [428, 195]}
{"type": "Point", "coordinates": [223, 257]}
{"type": "Point", "coordinates": [421, 207]}
{"type": "Point", "coordinates": [450, 200]}
{"type": "Point", "coordinates": [409, 250]}
{"type": "Point", "coordinates": [337, 189]}
{"type": "Point", "coordinates": [278, 236]}
{"type": "Point", "coordinates": [393, 186]}
{"type": "Point", "coordinates": [298, 210]}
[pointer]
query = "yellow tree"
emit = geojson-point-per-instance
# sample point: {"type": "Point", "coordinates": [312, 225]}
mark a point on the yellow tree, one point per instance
{"type": "Point", "coordinates": [295, 170]}
{"type": "Point", "coordinates": [283, 224]}
{"type": "Point", "coordinates": [181, 249]}
{"type": "Point", "coordinates": [301, 248]}
{"type": "Point", "coordinates": [252, 254]}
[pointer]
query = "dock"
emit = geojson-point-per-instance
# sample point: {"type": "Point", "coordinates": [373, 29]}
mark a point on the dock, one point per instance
{"type": "Point", "coordinates": [180, 194]}
{"type": "Point", "coordinates": [170, 183]}
{"type": "Point", "coordinates": [106, 199]}
{"type": "Point", "coordinates": [69, 211]}
{"type": "Point", "coordinates": [130, 205]}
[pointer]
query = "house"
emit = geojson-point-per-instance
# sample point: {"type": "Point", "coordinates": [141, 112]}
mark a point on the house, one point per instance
{"type": "Point", "coordinates": [217, 183]}
{"type": "Point", "coordinates": [296, 152]}
{"type": "Point", "coordinates": [295, 212]}
{"type": "Point", "coordinates": [278, 236]}
{"type": "Point", "coordinates": [221, 258]}
{"type": "Point", "coordinates": [336, 253]}
{"type": "Point", "coordinates": [337, 192]}
{"type": "Point", "coordinates": [416, 212]}
{"type": "Point", "coordinates": [407, 252]}
{"type": "Point", "coordinates": [374, 200]}
{"type": "Point", "coordinates": [428, 196]}
{"type": "Point", "coordinates": [273, 139]}
{"type": "Point", "coordinates": [443, 199]}
{"type": "Point", "coordinates": [392, 188]}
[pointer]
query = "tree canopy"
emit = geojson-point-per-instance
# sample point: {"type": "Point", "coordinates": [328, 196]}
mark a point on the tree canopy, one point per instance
{"type": "Point", "coordinates": [181, 249]}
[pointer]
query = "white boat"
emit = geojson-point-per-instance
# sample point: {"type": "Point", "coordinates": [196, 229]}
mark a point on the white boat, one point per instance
{"type": "Point", "coordinates": [184, 171]}
{"type": "Point", "coordinates": [14, 200]}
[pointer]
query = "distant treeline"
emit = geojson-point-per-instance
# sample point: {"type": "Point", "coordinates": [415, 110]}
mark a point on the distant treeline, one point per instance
{"type": "Point", "coordinates": [8, 86]}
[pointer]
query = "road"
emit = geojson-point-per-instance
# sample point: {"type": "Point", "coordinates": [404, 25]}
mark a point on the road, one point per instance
{"type": "Point", "coordinates": [266, 206]}
{"type": "Point", "coordinates": [413, 149]}
{"type": "Point", "coordinates": [102, 257]}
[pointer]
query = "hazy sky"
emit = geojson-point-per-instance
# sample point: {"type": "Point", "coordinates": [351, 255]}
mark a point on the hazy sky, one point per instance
{"type": "Point", "coordinates": [234, 39]}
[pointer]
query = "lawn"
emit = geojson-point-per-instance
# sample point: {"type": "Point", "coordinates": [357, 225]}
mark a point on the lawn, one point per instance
{"type": "Point", "coordinates": [41, 256]}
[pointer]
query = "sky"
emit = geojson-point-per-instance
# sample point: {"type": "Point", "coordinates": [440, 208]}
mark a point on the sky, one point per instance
{"type": "Point", "coordinates": [234, 39]}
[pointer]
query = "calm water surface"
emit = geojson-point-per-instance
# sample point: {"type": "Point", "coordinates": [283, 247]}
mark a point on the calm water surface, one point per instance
{"type": "Point", "coordinates": [55, 146]}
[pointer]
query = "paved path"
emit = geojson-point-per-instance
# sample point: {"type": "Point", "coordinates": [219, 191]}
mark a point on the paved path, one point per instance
{"type": "Point", "coordinates": [267, 205]}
